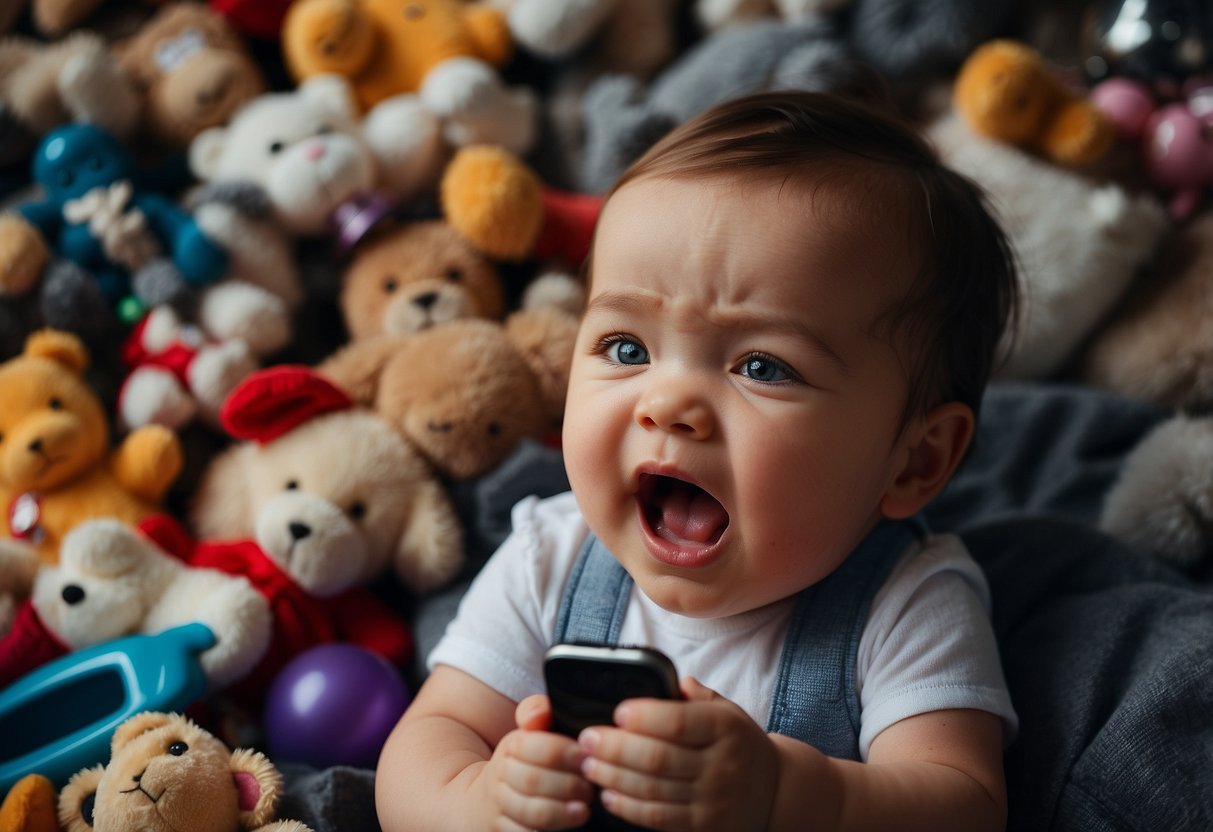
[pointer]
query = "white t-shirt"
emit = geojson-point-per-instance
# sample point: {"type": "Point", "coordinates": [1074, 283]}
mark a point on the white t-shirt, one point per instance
{"type": "Point", "coordinates": [927, 645]}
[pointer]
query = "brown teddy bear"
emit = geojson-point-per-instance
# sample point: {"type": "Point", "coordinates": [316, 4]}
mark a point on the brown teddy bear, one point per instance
{"type": "Point", "coordinates": [194, 70]}
{"type": "Point", "coordinates": [415, 276]}
{"type": "Point", "coordinates": [1006, 91]}
{"type": "Point", "coordinates": [466, 392]}
{"type": "Point", "coordinates": [166, 774]}
{"type": "Point", "coordinates": [56, 465]}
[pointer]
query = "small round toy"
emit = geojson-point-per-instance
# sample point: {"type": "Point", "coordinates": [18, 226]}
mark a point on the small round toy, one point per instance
{"type": "Point", "coordinates": [333, 705]}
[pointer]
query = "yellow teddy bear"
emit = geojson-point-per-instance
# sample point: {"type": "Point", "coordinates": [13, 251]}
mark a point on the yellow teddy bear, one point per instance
{"type": "Point", "coordinates": [445, 51]}
{"type": "Point", "coordinates": [56, 465]}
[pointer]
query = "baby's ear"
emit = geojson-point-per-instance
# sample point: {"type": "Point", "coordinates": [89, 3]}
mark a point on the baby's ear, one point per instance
{"type": "Point", "coordinates": [932, 448]}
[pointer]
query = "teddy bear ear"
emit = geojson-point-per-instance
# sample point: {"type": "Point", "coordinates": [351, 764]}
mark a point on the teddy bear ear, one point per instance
{"type": "Point", "coordinates": [206, 150]}
{"type": "Point", "coordinates": [139, 724]}
{"type": "Point", "coordinates": [76, 800]}
{"type": "Point", "coordinates": [258, 787]}
{"type": "Point", "coordinates": [545, 338]}
{"type": "Point", "coordinates": [60, 346]}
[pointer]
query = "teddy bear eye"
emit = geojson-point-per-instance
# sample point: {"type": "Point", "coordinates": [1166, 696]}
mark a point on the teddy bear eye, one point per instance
{"type": "Point", "coordinates": [358, 510]}
{"type": "Point", "coordinates": [276, 147]}
{"type": "Point", "coordinates": [413, 11]}
{"type": "Point", "coordinates": [494, 428]}
{"type": "Point", "coordinates": [390, 285]}
{"type": "Point", "coordinates": [177, 748]}
{"type": "Point", "coordinates": [454, 274]}
{"type": "Point", "coordinates": [324, 129]}
{"type": "Point", "coordinates": [292, 485]}
{"type": "Point", "coordinates": [66, 178]}
{"type": "Point", "coordinates": [55, 404]}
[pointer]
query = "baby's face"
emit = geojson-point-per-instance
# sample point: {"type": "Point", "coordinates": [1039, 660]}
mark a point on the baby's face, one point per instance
{"type": "Point", "coordinates": [732, 420]}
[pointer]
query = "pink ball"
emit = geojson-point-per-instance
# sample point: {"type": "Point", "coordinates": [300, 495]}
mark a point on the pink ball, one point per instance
{"type": "Point", "coordinates": [333, 705]}
{"type": "Point", "coordinates": [1125, 103]}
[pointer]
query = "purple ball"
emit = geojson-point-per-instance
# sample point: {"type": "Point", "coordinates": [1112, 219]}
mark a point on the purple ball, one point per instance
{"type": "Point", "coordinates": [333, 705]}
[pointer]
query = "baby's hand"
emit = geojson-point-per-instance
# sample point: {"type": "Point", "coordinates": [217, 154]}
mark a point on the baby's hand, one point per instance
{"type": "Point", "coordinates": [533, 780]}
{"type": "Point", "coordinates": [700, 764]}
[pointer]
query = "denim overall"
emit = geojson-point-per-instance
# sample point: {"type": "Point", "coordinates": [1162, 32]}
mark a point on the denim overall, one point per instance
{"type": "Point", "coordinates": [814, 699]}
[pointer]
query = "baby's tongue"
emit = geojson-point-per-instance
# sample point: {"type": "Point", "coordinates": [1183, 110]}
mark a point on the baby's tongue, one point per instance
{"type": "Point", "coordinates": [688, 513]}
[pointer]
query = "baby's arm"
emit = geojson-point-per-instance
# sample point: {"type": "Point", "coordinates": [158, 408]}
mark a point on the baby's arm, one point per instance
{"type": "Point", "coordinates": [463, 756]}
{"type": "Point", "coordinates": [704, 764]}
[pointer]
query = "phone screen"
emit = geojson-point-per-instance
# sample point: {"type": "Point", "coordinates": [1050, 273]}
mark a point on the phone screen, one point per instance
{"type": "Point", "coordinates": [586, 682]}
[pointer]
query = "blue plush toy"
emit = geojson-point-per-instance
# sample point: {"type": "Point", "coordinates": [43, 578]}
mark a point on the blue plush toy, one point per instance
{"type": "Point", "coordinates": [94, 214]}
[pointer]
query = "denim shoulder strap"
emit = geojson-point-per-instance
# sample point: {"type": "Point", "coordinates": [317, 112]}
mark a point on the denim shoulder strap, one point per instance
{"type": "Point", "coordinates": [595, 598]}
{"type": "Point", "coordinates": [815, 699]}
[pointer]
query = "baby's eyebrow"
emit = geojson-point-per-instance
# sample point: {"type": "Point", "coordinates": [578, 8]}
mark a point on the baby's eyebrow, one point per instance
{"type": "Point", "coordinates": [791, 326]}
{"type": "Point", "coordinates": [617, 302]}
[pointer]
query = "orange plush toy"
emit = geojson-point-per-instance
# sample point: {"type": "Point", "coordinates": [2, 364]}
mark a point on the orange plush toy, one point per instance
{"type": "Point", "coordinates": [447, 51]}
{"type": "Point", "coordinates": [1005, 91]}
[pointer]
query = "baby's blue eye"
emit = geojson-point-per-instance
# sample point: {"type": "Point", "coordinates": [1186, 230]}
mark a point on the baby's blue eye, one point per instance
{"type": "Point", "coordinates": [766, 369]}
{"type": "Point", "coordinates": [627, 352]}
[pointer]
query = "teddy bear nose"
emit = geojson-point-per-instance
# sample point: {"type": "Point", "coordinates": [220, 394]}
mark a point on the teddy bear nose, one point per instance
{"type": "Point", "coordinates": [299, 530]}
{"type": "Point", "coordinates": [314, 151]}
{"type": "Point", "coordinates": [426, 300]}
{"type": "Point", "coordinates": [35, 447]}
{"type": "Point", "coordinates": [72, 594]}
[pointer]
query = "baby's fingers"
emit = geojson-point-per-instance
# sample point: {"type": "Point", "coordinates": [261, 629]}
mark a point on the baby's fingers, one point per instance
{"type": "Point", "coordinates": [531, 812]}
{"type": "Point", "coordinates": [645, 755]}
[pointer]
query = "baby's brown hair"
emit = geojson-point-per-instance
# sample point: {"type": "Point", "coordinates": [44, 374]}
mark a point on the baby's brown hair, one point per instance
{"type": "Point", "coordinates": [965, 295]}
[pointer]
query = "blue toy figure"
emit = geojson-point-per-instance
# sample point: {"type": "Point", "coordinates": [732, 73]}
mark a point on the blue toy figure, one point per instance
{"type": "Point", "coordinates": [94, 215]}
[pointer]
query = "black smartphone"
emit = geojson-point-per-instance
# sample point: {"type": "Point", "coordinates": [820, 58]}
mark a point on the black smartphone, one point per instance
{"type": "Point", "coordinates": [586, 681]}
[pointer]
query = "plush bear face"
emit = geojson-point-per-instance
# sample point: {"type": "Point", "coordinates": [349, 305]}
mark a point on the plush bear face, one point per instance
{"type": "Point", "coordinates": [303, 148]}
{"type": "Point", "coordinates": [415, 277]}
{"type": "Point", "coordinates": [194, 69]}
{"type": "Point", "coordinates": [165, 773]}
{"type": "Point", "coordinates": [328, 501]}
{"type": "Point", "coordinates": [75, 159]}
{"type": "Point", "coordinates": [103, 585]}
{"type": "Point", "coordinates": [464, 395]}
{"type": "Point", "coordinates": [52, 426]}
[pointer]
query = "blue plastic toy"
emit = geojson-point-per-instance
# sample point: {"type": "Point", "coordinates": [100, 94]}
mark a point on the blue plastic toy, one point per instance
{"type": "Point", "coordinates": [60, 718]}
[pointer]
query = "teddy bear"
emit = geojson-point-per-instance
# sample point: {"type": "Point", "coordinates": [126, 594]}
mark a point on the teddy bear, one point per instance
{"type": "Point", "coordinates": [317, 500]}
{"type": "Point", "coordinates": [323, 168]}
{"type": "Point", "coordinates": [497, 383]}
{"type": "Point", "coordinates": [1155, 344]}
{"type": "Point", "coordinates": [324, 171]}
{"type": "Point", "coordinates": [94, 213]}
{"type": "Point", "coordinates": [623, 116]}
{"type": "Point", "coordinates": [57, 468]}
{"type": "Point", "coordinates": [445, 51]}
{"type": "Point", "coordinates": [50, 18]}
{"type": "Point", "coordinates": [112, 581]}
{"type": "Point", "coordinates": [45, 84]}
{"type": "Point", "coordinates": [421, 274]}
{"type": "Point", "coordinates": [165, 774]}
{"type": "Point", "coordinates": [1005, 91]}
{"type": "Point", "coordinates": [177, 372]}
{"type": "Point", "coordinates": [1078, 243]}
{"type": "Point", "coordinates": [192, 69]}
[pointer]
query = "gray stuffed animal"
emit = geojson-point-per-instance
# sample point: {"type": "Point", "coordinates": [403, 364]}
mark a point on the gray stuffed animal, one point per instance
{"type": "Point", "coordinates": [623, 118]}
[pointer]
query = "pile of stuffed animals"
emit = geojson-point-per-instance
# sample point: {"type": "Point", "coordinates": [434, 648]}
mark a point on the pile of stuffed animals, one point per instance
{"type": "Point", "coordinates": [235, 234]}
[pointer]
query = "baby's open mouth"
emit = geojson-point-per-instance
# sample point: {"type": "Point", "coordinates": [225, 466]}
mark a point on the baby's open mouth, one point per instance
{"type": "Point", "coordinates": [681, 512]}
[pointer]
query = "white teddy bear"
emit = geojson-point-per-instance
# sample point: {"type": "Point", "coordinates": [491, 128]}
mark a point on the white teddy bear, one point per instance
{"type": "Point", "coordinates": [111, 581]}
{"type": "Point", "coordinates": [323, 168]}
